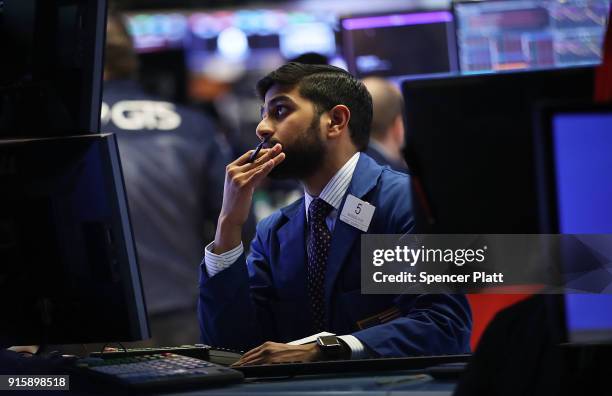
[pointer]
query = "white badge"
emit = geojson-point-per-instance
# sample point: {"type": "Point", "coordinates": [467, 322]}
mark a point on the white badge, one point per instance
{"type": "Point", "coordinates": [357, 213]}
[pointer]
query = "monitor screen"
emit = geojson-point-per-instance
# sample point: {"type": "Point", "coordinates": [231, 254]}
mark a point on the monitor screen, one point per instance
{"type": "Point", "coordinates": [315, 37]}
{"type": "Point", "coordinates": [522, 34]}
{"type": "Point", "coordinates": [400, 44]}
{"type": "Point", "coordinates": [581, 147]}
{"type": "Point", "coordinates": [51, 68]}
{"type": "Point", "coordinates": [158, 31]}
{"type": "Point", "coordinates": [469, 141]}
{"type": "Point", "coordinates": [251, 37]}
{"type": "Point", "coordinates": [69, 270]}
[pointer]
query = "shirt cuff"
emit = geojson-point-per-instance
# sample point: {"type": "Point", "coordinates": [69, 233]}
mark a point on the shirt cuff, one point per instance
{"type": "Point", "coordinates": [216, 263]}
{"type": "Point", "coordinates": [357, 349]}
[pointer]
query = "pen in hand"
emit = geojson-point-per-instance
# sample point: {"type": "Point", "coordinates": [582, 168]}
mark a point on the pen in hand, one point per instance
{"type": "Point", "coordinates": [258, 148]}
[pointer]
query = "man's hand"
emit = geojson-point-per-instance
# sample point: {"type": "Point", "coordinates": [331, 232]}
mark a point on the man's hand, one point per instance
{"type": "Point", "coordinates": [28, 349]}
{"type": "Point", "coordinates": [273, 352]}
{"type": "Point", "coordinates": [241, 179]}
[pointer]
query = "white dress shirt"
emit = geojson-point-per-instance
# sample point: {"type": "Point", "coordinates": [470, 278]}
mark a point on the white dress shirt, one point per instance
{"type": "Point", "coordinates": [332, 193]}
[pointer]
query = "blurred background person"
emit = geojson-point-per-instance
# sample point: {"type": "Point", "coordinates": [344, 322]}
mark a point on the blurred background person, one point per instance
{"type": "Point", "coordinates": [387, 132]}
{"type": "Point", "coordinates": [173, 164]}
{"type": "Point", "coordinates": [215, 88]}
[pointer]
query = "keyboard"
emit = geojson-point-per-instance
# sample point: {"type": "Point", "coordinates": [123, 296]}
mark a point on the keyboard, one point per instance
{"type": "Point", "coordinates": [222, 356]}
{"type": "Point", "coordinates": [347, 366]}
{"type": "Point", "coordinates": [198, 351]}
{"type": "Point", "coordinates": [162, 370]}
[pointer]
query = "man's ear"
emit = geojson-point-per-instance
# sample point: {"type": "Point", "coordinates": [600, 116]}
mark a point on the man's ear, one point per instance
{"type": "Point", "coordinates": [337, 123]}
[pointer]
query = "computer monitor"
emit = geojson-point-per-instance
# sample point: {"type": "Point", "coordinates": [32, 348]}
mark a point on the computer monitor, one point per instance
{"type": "Point", "coordinates": [524, 34]}
{"type": "Point", "coordinates": [51, 68]}
{"type": "Point", "coordinates": [574, 142]}
{"type": "Point", "coordinates": [158, 31]}
{"type": "Point", "coordinates": [254, 38]}
{"type": "Point", "coordinates": [469, 144]}
{"type": "Point", "coordinates": [399, 44]}
{"type": "Point", "coordinates": [69, 270]}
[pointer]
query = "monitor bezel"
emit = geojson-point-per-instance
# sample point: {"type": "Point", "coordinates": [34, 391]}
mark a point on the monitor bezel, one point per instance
{"type": "Point", "coordinates": [134, 312]}
{"type": "Point", "coordinates": [429, 220]}
{"type": "Point", "coordinates": [543, 117]}
{"type": "Point", "coordinates": [452, 45]}
{"type": "Point", "coordinates": [544, 159]}
{"type": "Point", "coordinates": [87, 69]}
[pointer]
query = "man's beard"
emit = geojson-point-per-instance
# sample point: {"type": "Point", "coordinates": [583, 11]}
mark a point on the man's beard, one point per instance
{"type": "Point", "coordinates": [303, 157]}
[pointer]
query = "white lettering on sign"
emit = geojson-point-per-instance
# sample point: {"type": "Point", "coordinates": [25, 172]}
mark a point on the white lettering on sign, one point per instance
{"type": "Point", "coordinates": [135, 115]}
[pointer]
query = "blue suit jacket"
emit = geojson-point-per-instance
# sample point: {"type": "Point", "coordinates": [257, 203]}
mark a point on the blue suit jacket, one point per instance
{"type": "Point", "coordinates": [266, 300]}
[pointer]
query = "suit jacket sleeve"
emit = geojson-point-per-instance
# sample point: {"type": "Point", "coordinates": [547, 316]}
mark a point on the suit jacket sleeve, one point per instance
{"type": "Point", "coordinates": [430, 324]}
{"type": "Point", "coordinates": [234, 305]}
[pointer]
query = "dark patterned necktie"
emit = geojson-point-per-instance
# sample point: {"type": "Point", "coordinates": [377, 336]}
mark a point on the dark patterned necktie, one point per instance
{"type": "Point", "coordinates": [318, 242]}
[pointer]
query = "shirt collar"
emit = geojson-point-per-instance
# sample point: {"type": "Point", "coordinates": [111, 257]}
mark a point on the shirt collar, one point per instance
{"type": "Point", "coordinates": [334, 190]}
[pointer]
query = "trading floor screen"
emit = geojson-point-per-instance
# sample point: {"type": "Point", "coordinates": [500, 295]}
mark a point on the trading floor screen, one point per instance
{"type": "Point", "coordinates": [523, 34]}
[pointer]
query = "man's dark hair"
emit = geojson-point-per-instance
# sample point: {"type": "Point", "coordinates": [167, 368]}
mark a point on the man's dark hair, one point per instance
{"type": "Point", "coordinates": [311, 58]}
{"type": "Point", "coordinates": [326, 86]}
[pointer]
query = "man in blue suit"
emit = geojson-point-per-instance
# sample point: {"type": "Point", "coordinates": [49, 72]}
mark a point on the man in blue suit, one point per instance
{"type": "Point", "coordinates": [302, 275]}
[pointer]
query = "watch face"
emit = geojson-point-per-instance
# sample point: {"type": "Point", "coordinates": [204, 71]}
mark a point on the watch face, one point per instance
{"type": "Point", "coordinates": [329, 341]}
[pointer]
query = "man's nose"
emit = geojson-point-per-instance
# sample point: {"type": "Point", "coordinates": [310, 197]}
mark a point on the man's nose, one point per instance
{"type": "Point", "coordinates": [264, 129]}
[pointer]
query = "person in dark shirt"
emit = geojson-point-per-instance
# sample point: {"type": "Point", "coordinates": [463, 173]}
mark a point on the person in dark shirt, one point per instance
{"type": "Point", "coordinates": [387, 133]}
{"type": "Point", "coordinates": [173, 163]}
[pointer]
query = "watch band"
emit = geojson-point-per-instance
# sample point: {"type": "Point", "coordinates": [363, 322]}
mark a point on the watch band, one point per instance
{"type": "Point", "coordinates": [333, 348]}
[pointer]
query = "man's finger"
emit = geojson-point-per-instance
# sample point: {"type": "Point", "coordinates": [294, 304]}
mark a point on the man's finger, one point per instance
{"type": "Point", "coordinates": [242, 159]}
{"type": "Point", "coordinates": [248, 359]}
{"type": "Point", "coordinates": [251, 352]}
{"type": "Point", "coordinates": [263, 156]}
{"type": "Point", "coordinates": [267, 166]}
{"type": "Point", "coordinates": [255, 353]}
{"type": "Point", "coordinates": [257, 174]}
{"type": "Point", "coordinates": [269, 153]}
{"type": "Point", "coordinates": [258, 360]}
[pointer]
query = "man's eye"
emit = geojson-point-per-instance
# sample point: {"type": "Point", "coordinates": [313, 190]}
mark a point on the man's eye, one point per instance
{"type": "Point", "coordinates": [280, 111]}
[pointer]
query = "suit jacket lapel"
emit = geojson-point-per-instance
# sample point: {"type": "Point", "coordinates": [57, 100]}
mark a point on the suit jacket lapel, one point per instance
{"type": "Point", "coordinates": [292, 258]}
{"type": "Point", "coordinates": [364, 179]}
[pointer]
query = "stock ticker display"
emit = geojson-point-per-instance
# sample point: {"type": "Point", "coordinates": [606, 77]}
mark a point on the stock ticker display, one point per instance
{"type": "Point", "coordinates": [521, 34]}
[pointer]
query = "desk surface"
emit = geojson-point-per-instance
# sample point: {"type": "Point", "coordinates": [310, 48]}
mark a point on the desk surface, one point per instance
{"type": "Point", "coordinates": [392, 383]}
{"type": "Point", "coordinates": [395, 382]}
